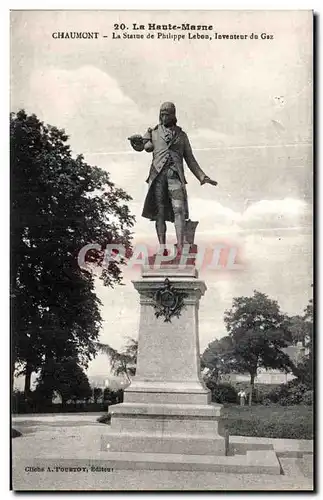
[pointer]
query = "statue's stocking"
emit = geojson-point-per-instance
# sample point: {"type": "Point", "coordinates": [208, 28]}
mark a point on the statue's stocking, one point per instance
{"type": "Point", "coordinates": [179, 228]}
{"type": "Point", "coordinates": [161, 230]}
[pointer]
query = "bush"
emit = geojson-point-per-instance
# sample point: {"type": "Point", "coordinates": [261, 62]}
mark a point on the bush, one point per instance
{"type": "Point", "coordinates": [288, 394]}
{"type": "Point", "coordinates": [224, 393]}
{"type": "Point", "coordinates": [105, 419]}
{"type": "Point", "coordinates": [15, 433]}
{"type": "Point", "coordinates": [307, 398]}
{"type": "Point", "coordinates": [17, 400]}
{"type": "Point", "coordinates": [260, 393]}
{"type": "Point", "coordinates": [37, 404]}
{"type": "Point", "coordinates": [32, 407]}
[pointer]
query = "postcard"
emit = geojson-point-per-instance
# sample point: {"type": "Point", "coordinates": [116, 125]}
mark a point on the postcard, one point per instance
{"type": "Point", "coordinates": [161, 250]}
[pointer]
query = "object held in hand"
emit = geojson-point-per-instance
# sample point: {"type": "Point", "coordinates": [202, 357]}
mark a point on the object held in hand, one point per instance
{"type": "Point", "coordinates": [207, 180]}
{"type": "Point", "coordinates": [137, 142]}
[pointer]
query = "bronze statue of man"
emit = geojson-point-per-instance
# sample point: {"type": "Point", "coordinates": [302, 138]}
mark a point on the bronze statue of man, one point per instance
{"type": "Point", "coordinates": [167, 197]}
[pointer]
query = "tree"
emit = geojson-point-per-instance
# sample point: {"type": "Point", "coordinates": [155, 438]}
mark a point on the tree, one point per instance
{"type": "Point", "coordinates": [309, 319]}
{"type": "Point", "coordinates": [304, 370]}
{"type": "Point", "coordinates": [107, 394]}
{"type": "Point", "coordinates": [217, 359]}
{"type": "Point", "coordinates": [67, 378]}
{"type": "Point", "coordinates": [124, 362]}
{"type": "Point", "coordinates": [300, 329]}
{"type": "Point", "coordinates": [111, 397]}
{"type": "Point", "coordinates": [97, 394]}
{"type": "Point", "coordinates": [258, 331]}
{"type": "Point", "coordinates": [59, 204]}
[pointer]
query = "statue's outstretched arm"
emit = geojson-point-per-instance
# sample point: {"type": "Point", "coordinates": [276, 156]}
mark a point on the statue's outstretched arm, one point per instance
{"type": "Point", "coordinates": [194, 166]}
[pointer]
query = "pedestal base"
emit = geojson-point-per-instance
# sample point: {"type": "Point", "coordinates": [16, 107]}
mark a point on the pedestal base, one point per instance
{"type": "Point", "coordinates": [165, 428]}
{"type": "Point", "coordinates": [177, 437]}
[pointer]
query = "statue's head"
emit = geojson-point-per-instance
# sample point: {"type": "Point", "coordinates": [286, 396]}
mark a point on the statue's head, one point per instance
{"type": "Point", "coordinates": [167, 114]}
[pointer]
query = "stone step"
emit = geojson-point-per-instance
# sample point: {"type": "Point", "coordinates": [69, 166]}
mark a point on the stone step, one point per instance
{"type": "Point", "coordinates": [254, 462]}
{"type": "Point", "coordinates": [287, 448]}
{"type": "Point", "coordinates": [163, 443]}
{"type": "Point", "coordinates": [306, 465]}
{"type": "Point", "coordinates": [298, 467]}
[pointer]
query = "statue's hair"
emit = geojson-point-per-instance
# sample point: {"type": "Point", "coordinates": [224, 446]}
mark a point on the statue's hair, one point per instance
{"type": "Point", "coordinates": [168, 105]}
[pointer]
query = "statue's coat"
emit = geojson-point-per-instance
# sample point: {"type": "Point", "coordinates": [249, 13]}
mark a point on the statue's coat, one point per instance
{"type": "Point", "coordinates": [177, 150]}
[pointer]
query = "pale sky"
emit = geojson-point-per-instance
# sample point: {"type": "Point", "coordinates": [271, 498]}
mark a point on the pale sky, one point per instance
{"type": "Point", "coordinates": [246, 106]}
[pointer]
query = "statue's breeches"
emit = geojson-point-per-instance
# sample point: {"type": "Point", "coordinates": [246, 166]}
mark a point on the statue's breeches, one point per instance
{"type": "Point", "coordinates": [166, 197]}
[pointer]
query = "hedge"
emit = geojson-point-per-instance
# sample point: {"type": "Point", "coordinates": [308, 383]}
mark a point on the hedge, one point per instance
{"type": "Point", "coordinates": [223, 393]}
{"type": "Point", "coordinates": [294, 422]}
{"type": "Point", "coordinates": [290, 394]}
{"type": "Point", "coordinates": [25, 407]}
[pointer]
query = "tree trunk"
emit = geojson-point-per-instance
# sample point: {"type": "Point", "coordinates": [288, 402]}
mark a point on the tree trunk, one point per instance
{"type": "Point", "coordinates": [252, 385]}
{"type": "Point", "coordinates": [126, 374]}
{"type": "Point", "coordinates": [28, 372]}
{"type": "Point", "coordinates": [13, 368]}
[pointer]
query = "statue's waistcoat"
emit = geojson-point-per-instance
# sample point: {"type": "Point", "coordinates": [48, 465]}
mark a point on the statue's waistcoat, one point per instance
{"type": "Point", "coordinates": [171, 153]}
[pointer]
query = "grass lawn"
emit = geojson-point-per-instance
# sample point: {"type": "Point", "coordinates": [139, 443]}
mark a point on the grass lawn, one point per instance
{"type": "Point", "coordinates": [289, 422]}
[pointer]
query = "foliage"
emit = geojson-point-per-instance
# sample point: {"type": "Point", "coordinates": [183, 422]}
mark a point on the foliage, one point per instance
{"type": "Point", "coordinates": [107, 394]}
{"type": "Point", "coordinates": [97, 394]}
{"type": "Point", "coordinates": [304, 370]}
{"type": "Point", "coordinates": [308, 398]}
{"type": "Point", "coordinates": [59, 204]}
{"type": "Point", "coordinates": [288, 394]}
{"type": "Point", "coordinates": [36, 403]}
{"type": "Point", "coordinates": [222, 393]}
{"type": "Point", "coordinates": [17, 399]}
{"type": "Point", "coordinates": [217, 359]}
{"type": "Point", "coordinates": [124, 362]}
{"type": "Point", "coordinates": [300, 329]}
{"type": "Point", "coordinates": [257, 332]}
{"type": "Point", "coordinates": [15, 433]}
{"type": "Point", "coordinates": [309, 312]}
{"type": "Point", "coordinates": [67, 378]}
{"type": "Point", "coordinates": [105, 419]}
{"type": "Point", "coordinates": [295, 422]}
{"type": "Point", "coordinates": [41, 406]}
{"type": "Point", "coordinates": [260, 393]}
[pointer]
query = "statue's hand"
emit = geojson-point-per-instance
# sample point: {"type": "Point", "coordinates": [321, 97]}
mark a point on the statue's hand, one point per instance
{"type": "Point", "coordinates": [207, 180]}
{"type": "Point", "coordinates": [136, 142]}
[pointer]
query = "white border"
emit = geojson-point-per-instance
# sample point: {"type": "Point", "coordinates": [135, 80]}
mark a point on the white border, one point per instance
{"type": "Point", "coordinates": [165, 5]}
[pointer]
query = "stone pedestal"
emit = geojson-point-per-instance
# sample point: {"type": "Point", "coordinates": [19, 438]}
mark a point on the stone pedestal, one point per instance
{"type": "Point", "coordinates": [167, 407]}
{"type": "Point", "coordinates": [166, 421]}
